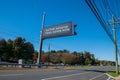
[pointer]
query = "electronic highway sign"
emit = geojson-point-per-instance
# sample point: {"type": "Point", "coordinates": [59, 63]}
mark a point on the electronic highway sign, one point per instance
{"type": "Point", "coordinates": [59, 30]}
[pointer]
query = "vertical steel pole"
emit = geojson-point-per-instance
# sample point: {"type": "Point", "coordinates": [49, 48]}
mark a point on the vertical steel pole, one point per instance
{"type": "Point", "coordinates": [115, 45]}
{"type": "Point", "coordinates": [48, 54]}
{"type": "Point", "coordinates": [39, 60]}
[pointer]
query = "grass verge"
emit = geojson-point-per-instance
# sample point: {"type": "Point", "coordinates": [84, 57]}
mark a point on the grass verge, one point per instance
{"type": "Point", "coordinates": [113, 73]}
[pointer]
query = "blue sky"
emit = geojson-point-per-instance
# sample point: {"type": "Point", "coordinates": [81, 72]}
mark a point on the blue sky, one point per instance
{"type": "Point", "coordinates": [24, 17]}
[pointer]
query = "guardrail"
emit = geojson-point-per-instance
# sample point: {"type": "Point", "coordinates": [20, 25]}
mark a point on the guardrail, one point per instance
{"type": "Point", "coordinates": [26, 65]}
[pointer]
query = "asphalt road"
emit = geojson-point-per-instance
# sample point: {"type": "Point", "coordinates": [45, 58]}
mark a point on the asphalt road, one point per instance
{"type": "Point", "coordinates": [75, 74]}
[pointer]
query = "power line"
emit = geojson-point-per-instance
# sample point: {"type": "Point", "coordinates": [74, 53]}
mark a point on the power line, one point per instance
{"type": "Point", "coordinates": [98, 16]}
{"type": "Point", "coordinates": [98, 11]}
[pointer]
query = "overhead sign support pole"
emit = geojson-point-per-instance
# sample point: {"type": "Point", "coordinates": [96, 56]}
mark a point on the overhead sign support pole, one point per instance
{"type": "Point", "coordinates": [39, 60]}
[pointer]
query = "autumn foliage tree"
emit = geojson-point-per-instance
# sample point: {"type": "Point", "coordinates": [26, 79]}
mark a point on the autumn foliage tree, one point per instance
{"type": "Point", "coordinates": [79, 58]}
{"type": "Point", "coordinates": [12, 50]}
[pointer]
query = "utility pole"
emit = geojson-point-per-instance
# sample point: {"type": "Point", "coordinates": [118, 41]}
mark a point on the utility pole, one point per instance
{"type": "Point", "coordinates": [48, 53]}
{"type": "Point", "coordinates": [115, 44]}
{"type": "Point", "coordinates": [39, 60]}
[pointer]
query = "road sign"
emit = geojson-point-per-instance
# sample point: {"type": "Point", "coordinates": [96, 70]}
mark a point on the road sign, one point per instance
{"type": "Point", "coordinates": [59, 30]}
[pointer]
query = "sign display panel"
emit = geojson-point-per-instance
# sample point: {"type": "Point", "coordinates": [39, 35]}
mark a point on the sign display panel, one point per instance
{"type": "Point", "coordinates": [59, 30]}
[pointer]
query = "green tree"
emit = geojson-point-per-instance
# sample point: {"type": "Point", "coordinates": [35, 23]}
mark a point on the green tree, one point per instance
{"type": "Point", "coordinates": [9, 51]}
{"type": "Point", "coordinates": [92, 59]}
{"type": "Point", "coordinates": [97, 62]}
{"type": "Point", "coordinates": [27, 51]}
{"type": "Point", "coordinates": [62, 51]}
{"type": "Point", "coordinates": [52, 51]}
{"type": "Point", "coordinates": [82, 58]}
{"type": "Point", "coordinates": [2, 47]}
{"type": "Point", "coordinates": [87, 58]}
{"type": "Point", "coordinates": [75, 53]}
{"type": "Point", "coordinates": [19, 47]}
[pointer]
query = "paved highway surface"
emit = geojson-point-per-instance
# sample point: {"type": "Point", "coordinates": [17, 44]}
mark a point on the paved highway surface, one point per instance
{"type": "Point", "coordinates": [75, 74]}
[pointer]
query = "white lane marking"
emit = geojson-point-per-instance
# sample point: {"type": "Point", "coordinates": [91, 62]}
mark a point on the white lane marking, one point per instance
{"type": "Point", "coordinates": [108, 78]}
{"type": "Point", "coordinates": [65, 76]}
{"type": "Point", "coordinates": [12, 75]}
{"type": "Point", "coordinates": [97, 76]}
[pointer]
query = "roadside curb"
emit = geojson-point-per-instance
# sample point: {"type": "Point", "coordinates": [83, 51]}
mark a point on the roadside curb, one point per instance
{"type": "Point", "coordinates": [110, 76]}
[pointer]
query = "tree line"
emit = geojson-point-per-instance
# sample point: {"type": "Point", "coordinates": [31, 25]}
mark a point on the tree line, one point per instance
{"type": "Point", "coordinates": [73, 58]}
{"type": "Point", "coordinates": [13, 50]}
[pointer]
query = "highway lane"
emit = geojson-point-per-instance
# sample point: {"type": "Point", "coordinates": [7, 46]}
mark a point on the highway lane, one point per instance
{"type": "Point", "coordinates": [59, 74]}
